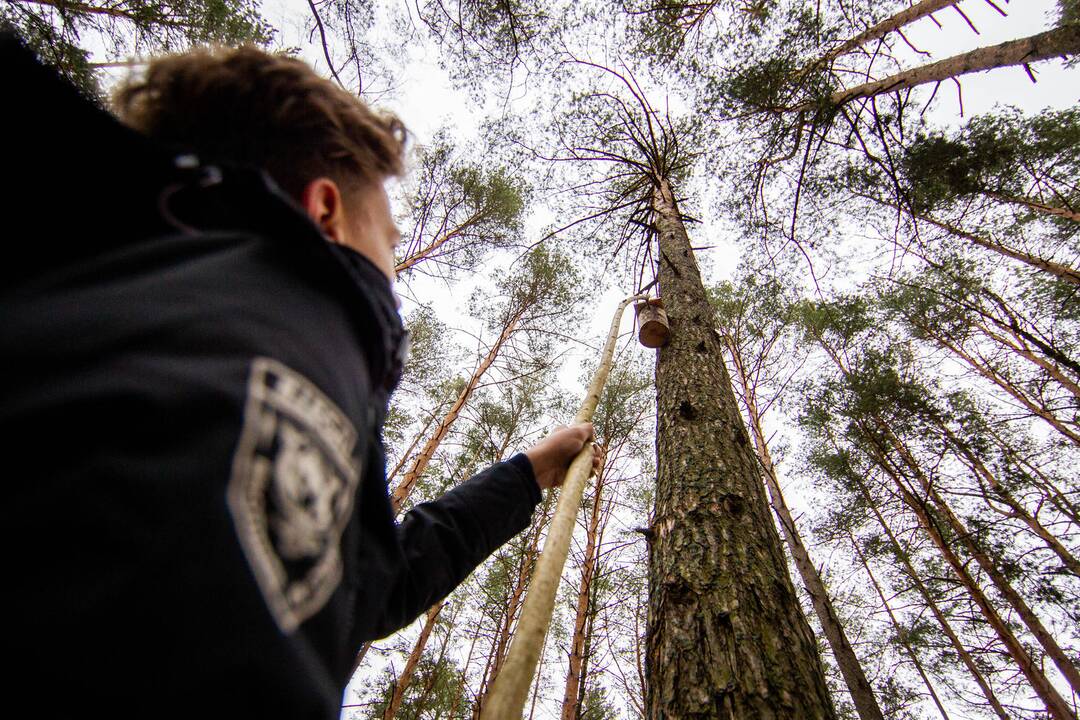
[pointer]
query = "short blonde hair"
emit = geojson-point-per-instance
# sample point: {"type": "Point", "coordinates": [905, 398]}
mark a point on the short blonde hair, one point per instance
{"type": "Point", "coordinates": [246, 106]}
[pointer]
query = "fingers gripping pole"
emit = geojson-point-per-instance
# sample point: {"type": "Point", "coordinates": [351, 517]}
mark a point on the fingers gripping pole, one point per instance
{"type": "Point", "coordinates": [511, 687]}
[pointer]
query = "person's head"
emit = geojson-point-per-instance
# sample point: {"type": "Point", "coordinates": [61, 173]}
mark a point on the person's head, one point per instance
{"type": "Point", "coordinates": [323, 146]}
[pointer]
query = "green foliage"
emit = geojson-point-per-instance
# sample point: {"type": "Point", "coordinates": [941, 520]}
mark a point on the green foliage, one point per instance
{"type": "Point", "coordinates": [1069, 11]}
{"type": "Point", "coordinates": [53, 47]}
{"type": "Point", "coordinates": [483, 40]}
{"type": "Point", "coordinates": [665, 31]}
{"type": "Point", "coordinates": [438, 688]}
{"type": "Point", "coordinates": [1003, 153]}
{"type": "Point", "coordinates": [596, 705]}
{"type": "Point", "coordinates": [59, 31]}
{"type": "Point", "coordinates": [541, 288]}
{"type": "Point", "coordinates": [459, 209]}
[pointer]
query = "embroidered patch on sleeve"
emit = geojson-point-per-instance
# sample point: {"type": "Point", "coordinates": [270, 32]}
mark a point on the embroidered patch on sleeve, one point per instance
{"type": "Point", "coordinates": [291, 491]}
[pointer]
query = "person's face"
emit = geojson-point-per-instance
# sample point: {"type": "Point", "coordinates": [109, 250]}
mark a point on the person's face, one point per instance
{"type": "Point", "coordinates": [371, 230]}
{"type": "Point", "coordinates": [362, 222]}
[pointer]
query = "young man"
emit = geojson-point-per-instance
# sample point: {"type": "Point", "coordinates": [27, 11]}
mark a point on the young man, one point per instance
{"type": "Point", "coordinates": [199, 343]}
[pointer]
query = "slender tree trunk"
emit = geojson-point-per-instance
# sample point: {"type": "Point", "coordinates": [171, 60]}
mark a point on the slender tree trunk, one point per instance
{"type": "Point", "coordinates": [418, 256]}
{"type": "Point", "coordinates": [904, 17]}
{"type": "Point", "coordinates": [134, 15]}
{"type": "Point", "coordinates": [536, 680]}
{"type": "Point", "coordinates": [954, 639]}
{"type": "Point", "coordinates": [405, 678]}
{"type": "Point", "coordinates": [514, 599]}
{"type": "Point", "coordinates": [1035, 205]}
{"type": "Point", "coordinates": [434, 676]}
{"type": "Point", "coordinates": [409, 452]}
{"type": "Point", "coordinates": [1050, 489]}
{"type": "Point", "coordinates": [571, 706]}
{"type": "Point", "coordinates": [1063, 663]}
{"type": "Point", "coordinates": [1055, 704]}
{"type": "Point", "coordinates": [995, 378]}
{"type": "Point", "coordinates": [900, 633]}
{"type": "Point", "coordinates": [726, 638]}
{"type": "Point", "coordinates": [862, 694]}
{"type": "Point", "coordinates": [1058, 270]}
{"type": "Point", "coordinates": [420, 463]}
{"type": "Point", "coordinates": [1017, 509]}
{"type": "Point", "coordinates": [1020, 348]}
{"type": "Point", "coordinates": [1058, 42]}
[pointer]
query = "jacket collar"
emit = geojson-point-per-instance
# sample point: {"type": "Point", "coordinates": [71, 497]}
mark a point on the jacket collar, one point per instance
{"type": "Point", "coordinates": [223, 197]}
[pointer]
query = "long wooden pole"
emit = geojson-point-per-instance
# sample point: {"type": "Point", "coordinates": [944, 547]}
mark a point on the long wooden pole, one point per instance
{"type": "Point", "coordinates": [511, 687]}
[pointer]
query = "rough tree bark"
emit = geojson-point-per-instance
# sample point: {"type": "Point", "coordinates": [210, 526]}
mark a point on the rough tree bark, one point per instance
{"type": "Point", "coordinates": [726, 636]}
{"type": "Point", "coordinates": [862, 694]}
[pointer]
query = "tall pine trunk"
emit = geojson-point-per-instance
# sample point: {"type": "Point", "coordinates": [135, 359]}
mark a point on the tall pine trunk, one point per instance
{"type": "Point", "coordinates": [726, 637]}
{"type": "Point", "coordinates": [1059, 270]}
{"type": "Point", "coordinates": [895, 22]}
{"type": "Point", "coordinates": [862, 694]}
{"type": "Point", "coordinates": [1056, 705]}
{"type": "Point", "coordinates": [1036, 205]}
{"type": "Point", "coordinates": [405, 678]}
{"type": "Point", "coordinates": [405, 487]}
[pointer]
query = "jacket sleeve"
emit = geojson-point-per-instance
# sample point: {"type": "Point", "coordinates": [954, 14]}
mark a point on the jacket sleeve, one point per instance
{"type": "Point", "coordinates": [444, 540]}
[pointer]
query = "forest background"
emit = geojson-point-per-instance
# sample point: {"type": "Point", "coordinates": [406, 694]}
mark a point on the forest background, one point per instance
{"type": "Point", "coordinates": [891, 260]}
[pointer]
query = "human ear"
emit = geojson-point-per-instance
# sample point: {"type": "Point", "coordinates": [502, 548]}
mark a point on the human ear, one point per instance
{"type": "Point", "coordinates": [321, 199]}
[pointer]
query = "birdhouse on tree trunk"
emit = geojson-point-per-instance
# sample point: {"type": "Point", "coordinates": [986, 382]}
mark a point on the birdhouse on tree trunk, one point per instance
{"type": "Point", "coordinates": [652, 322]}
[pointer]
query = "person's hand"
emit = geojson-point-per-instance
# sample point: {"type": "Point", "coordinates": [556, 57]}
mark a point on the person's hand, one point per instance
{"type": "Point", "coordinates": [552, 456]}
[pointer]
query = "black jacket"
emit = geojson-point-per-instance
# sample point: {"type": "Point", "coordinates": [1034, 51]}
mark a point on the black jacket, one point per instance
{"type": "Point", "coordinates": [193, 385]}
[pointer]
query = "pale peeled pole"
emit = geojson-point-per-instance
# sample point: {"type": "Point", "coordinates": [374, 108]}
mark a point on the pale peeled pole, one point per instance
{"type": "Point", "coordinates": [511, 688]}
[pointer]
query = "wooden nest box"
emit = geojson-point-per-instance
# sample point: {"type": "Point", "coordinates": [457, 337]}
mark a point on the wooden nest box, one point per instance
{"type": "Point", "coordinates": [652, 322]}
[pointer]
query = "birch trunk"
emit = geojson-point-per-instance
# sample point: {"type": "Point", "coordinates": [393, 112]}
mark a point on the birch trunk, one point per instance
{"type": "Point", "coordinates": [862, 694]}
{"type": "Point", "coordinates": [726, 636]}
